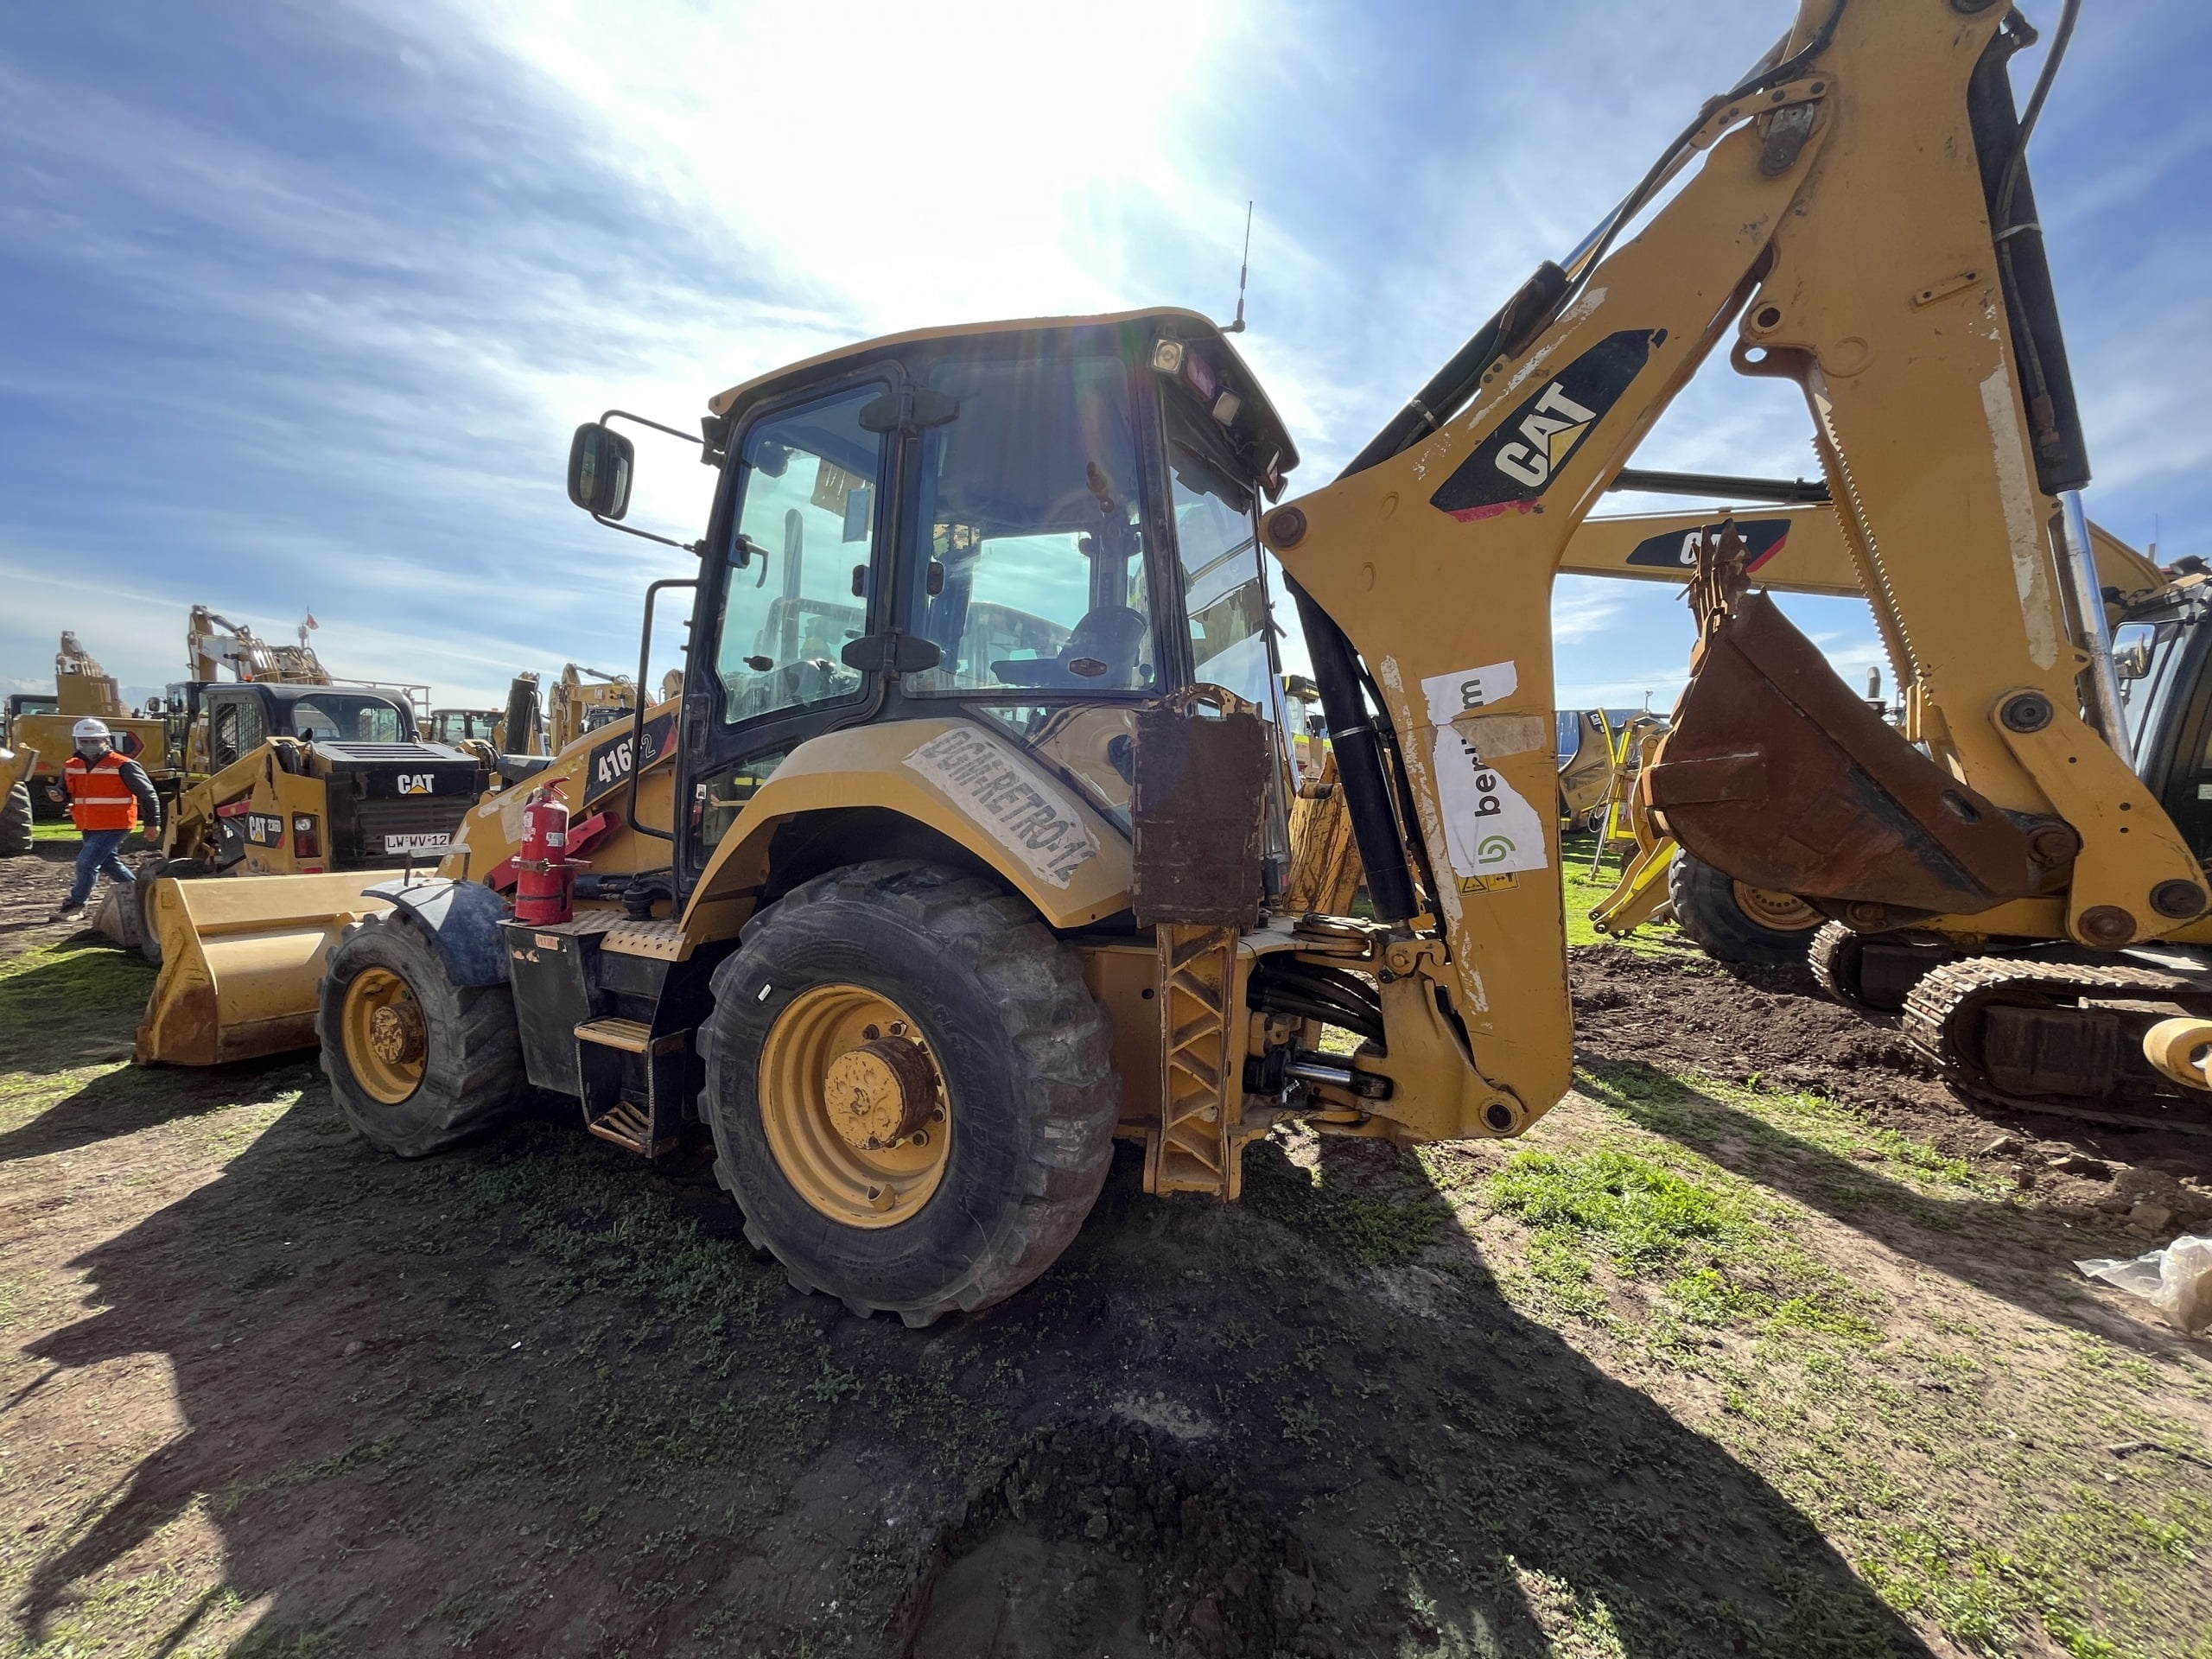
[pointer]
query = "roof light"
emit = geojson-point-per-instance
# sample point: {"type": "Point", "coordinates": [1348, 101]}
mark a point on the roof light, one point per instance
{"type": "Point", "coordinates": [1225, 407]}
{"type": "Point", "coordinates": [1166, 355]}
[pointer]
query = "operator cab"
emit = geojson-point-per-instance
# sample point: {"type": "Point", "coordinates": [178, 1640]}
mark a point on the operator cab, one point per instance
{"type": "Point", "coordinates": [2163, 652]}
{"type": "Point", "coordinates": [1039, 524]}
{"type": "Point", "coordinates": [244, 714]}
{"type": "Point", "coordinates": [28, 702]}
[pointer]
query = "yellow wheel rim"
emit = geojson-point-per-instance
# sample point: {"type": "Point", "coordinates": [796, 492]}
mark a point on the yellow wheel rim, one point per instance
{"type": "Point", "coordinates": [1785, 912]}
{"type": "Point", "coordinates": [387, 1044]}
{"type": "Point", "coordinates": [855, 1109]}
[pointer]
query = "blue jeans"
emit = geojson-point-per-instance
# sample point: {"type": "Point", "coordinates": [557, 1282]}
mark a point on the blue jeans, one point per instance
{"type": "Point", "coordinates": [97, 855]}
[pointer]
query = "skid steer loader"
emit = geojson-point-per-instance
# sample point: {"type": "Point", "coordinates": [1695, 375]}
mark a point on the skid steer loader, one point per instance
{"type": "Point", "coordinates": [961, 853]}
{"type": "Point", "coordinates": [290, 779]}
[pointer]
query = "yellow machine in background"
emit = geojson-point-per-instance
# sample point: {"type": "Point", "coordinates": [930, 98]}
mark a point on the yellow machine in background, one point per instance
{"type": "Point", "coordinates": [17, 822]}
{"type": "Point", "coordinates": [455, 726]}
{"type": "Point", "coordinates": [965, 850]}
{"type": "Point", "coordinates": [83, 689]}
{"type": "Point", "coordinates": [289, 770]}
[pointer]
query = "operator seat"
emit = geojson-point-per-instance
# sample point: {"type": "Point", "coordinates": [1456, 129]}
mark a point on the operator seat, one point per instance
{"type": "Point", "coordinates": [1100, 653]}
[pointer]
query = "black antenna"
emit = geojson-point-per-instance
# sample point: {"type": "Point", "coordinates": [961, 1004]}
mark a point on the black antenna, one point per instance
{"type": "Point", "coordinates": [1243, 270]}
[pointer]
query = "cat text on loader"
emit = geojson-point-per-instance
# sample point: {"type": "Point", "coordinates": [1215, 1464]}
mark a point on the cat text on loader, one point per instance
{"type": "Point", "coordinates": [957, 858]}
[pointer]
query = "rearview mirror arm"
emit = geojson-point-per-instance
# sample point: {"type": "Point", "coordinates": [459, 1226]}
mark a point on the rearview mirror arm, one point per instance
{"type": "Point", "coordinates": [693, 548]}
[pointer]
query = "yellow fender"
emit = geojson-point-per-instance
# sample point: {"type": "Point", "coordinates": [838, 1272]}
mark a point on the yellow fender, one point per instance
{"type": "Point", "coordinates": [959, 778]}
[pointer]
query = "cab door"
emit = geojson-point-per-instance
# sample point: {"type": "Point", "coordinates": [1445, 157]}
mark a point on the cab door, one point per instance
{"type": "Point", "coordinates": [794, 572]}
{"type": "Point", "coordinates": [236, 726]}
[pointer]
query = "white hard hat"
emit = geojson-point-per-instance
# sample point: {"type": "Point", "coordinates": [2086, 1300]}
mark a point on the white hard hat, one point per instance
{"type": "Point", "coordinates": [88, 728]}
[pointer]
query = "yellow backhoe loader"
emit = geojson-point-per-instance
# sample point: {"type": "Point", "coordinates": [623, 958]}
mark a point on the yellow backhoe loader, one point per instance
{"type": "Point", "coordinates": [962, 852]}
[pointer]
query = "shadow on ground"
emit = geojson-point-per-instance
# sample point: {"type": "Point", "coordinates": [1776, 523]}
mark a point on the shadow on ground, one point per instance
{"type": "Point", "coordinates": [529, 1398]}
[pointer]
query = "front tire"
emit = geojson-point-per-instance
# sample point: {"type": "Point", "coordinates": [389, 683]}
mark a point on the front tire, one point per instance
{"type": "Point", "coordinates": [1734, 922]}
{"type": "Point", "coordinates": [415, 1063]}
{"type": "Point", "coordinates": [15, 819]}
{"type": "Point", "coordinates": [910, 1090]}
{"type": "Point", "coordinates": [183, 869]}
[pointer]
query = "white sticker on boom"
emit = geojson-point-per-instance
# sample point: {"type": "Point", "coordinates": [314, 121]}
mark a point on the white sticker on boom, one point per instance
{"type": "Point", "coordinates": [1489, 828]}
{"type": "Point", "coordinates": [1451, 696]}
{"type": "Point", "coordinates": [1030, 817]}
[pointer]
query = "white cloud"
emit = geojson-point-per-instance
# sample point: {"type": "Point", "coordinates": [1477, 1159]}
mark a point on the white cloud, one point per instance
{"type": "Point", "coordinates": [339, 367]}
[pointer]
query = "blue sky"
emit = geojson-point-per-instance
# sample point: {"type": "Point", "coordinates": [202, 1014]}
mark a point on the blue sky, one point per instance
{"type": "Point", "coordinates": [299, 303]}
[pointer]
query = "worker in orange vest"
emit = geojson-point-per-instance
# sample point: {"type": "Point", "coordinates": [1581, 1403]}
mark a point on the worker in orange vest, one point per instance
{"type": "Point", "coordinates": [109, 795]}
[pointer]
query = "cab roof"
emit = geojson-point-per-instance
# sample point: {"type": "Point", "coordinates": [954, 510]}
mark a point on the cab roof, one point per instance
{"type": "Point", "coordinates": [1256, 424]}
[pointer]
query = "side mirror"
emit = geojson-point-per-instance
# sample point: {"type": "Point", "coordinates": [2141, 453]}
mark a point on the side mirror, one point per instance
{"type": "Point", "coordinates": [600, 460]}
{"type": "Point", "coordinates": [2131, 650]}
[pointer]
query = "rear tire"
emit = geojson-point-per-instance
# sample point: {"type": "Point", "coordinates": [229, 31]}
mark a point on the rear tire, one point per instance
{"type": "Point", "coordinates": [1021, 1060]}
{"type": "Point", "coordinates": [1710, 909]}
{"type": "Point", "coordinates": [456, 1044]}
{"type": "Point", "coordinates": [15, 818]}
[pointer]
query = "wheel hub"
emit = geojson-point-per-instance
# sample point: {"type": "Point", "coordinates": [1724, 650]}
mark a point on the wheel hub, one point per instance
{"type": "Point", "coordinates": [1785, 912]}
{"type": "Point", "coordinates": [396, 1035]}
{"type": "Point", "coordinates": [856, 1114]}
{"type": "Point", "coordinates": [879, 1093]}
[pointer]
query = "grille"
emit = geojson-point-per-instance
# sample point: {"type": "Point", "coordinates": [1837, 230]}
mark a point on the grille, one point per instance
{"type": "Point", "coordinates": [373, 820]}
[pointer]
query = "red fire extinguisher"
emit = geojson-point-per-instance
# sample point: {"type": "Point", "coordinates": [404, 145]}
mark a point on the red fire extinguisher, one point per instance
{"type": "Point", "coordinates": [546, 881]}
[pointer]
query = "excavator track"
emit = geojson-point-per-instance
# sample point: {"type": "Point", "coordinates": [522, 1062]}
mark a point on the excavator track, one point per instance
{"type": "Point", "coordinates": [2015, 1033]}
{"type": "Point", "coordinates": [1872, 973]}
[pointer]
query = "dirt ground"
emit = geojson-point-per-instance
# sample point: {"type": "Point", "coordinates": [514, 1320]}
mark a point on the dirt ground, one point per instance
{"type": "Point", "coordinates": [1758, 1344]}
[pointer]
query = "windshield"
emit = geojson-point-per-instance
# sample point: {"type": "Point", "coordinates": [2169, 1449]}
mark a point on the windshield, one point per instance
{"type": "Point", "coordinates": [1035, 576]}
{"type": "Point", "coordinates": [335, 717]}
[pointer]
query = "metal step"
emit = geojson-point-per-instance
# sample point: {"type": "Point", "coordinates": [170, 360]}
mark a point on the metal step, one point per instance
{"type": "Point", "coordinates": [631, 1036]}
{"type": "Point", "coordinates": [628, 1126]}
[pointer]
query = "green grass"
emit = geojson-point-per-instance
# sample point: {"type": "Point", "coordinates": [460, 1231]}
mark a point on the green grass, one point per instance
{"type": "Point", "coordinates": [1951, 1446]}
{"type": "Point", "coordinates": [1583, 889]}
{"type": "Point", "coordinates": [1636, 1211]}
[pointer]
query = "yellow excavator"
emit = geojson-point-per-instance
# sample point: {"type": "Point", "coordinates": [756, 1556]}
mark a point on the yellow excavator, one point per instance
{"type": "Point", "coordinates": [963, 851]}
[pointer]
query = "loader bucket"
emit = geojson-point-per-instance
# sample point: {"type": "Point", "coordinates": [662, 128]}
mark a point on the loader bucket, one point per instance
{"type": "Point", "coordinates": [240, 962]}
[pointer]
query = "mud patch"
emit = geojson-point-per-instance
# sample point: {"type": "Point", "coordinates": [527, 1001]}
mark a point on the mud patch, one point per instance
{"type": "Point", "coordinates": [1110, 1539]}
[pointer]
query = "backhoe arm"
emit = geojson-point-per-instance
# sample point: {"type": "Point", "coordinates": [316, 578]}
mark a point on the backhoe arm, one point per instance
{"type": "Point", "coordinates": [1840, 222]}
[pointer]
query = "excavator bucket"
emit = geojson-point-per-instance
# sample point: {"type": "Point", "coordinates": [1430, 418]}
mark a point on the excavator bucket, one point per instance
{"type": "Point", "coordinates": [241, 961]}
{"type": "Point", "coordinates": [1776, 772]}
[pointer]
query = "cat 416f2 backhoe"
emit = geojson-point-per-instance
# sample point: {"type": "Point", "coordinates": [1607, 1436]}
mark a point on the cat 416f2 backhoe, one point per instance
{"type": "Point", "coordinates": [958, 856]}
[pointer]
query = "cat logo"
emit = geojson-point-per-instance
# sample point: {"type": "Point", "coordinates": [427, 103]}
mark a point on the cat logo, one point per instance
{"type": "Point", "coordinates": [1552, 428]}
{"type": "Point", "coordinates": [414, 783]}
{"type": "Point", "coordinates": [1514, 465]}
{"type": "Point", "coordinates": [1677, 549]}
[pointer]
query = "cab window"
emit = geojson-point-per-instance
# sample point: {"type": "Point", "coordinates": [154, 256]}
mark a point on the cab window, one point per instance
{"type": "Point", "coordinates": [796, 582]}
{"type": "Point", "coordinates": [1035, 575]}
{"type": "Point", "coordinates": [1224, 591]}
{"type": "Point", "coordinates": [346, 720]}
